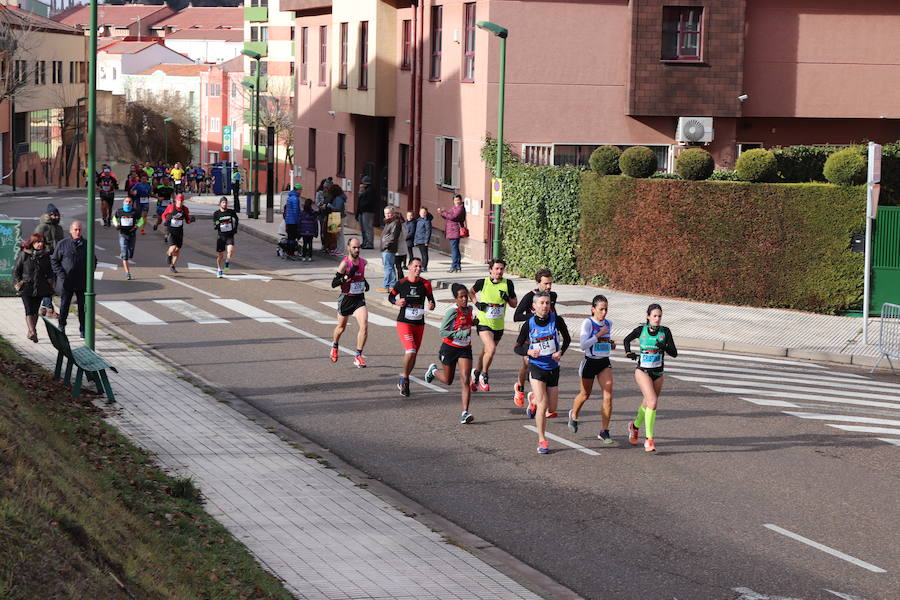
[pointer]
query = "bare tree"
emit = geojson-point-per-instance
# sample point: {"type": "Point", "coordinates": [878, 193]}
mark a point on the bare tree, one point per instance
{"type": "Point", "coordinates": [276, 109]}
{"type": "Point", "coordinates": [17, 41]}
{"type": "Point", "coordinates": [152, 137]}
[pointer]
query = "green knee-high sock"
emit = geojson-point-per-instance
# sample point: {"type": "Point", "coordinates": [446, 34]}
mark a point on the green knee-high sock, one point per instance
{"type": "Point", "coordinates": [640, 417]}
{"type": "Point", "coordinates": [650, 418]}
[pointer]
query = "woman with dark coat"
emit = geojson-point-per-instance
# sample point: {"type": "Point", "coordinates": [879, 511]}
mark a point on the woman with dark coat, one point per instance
{"type": "Point", "coordinates": [33, 279]}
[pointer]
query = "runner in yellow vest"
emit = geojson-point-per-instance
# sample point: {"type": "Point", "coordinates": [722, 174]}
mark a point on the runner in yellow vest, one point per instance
{"type": "Point", "coordinates": [496, 293]}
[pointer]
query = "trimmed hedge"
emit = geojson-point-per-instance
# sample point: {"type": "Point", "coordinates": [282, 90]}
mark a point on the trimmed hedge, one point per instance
{"type": "Point", "coordinates": [847, 167]}
{"type": "Point", "coordinates": [799, 164]}
{"type": "Point", "coordinates": [638, 161]}
{"type": "Point", "coordinates": [605, 160]}
{"type": "Point", "coordinates": [778, 245]}
{"type": "Point", "coordinates": [541, 213]}
{"type": "Point", "coordinates": [695, 164]}
{"type": "Point", "coordinates": [757, 165]}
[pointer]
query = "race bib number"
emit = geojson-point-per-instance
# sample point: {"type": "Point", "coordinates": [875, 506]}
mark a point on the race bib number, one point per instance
{"type": "Point", "coordinates": [464, 342]}
{"type": "Point", "coordinates": [651, 361]}
{"type": "Point", "coordinates": [127, 221]}
{"type": "Point", "coordinates": [226, 226]}
{"type": "Point", "coordinates": [177, 182]}
{"type": "Point", "coordinates": [105, 187]}
{"type": "Point", "coordinates": [494, 311]}
{"type": "Point", "coordinates": [145, 200]}
{"type": "Point", "coordinates": [546, 346]}
{"type": "Point", "coordinates": [414, 313]}
{"type": "Point", "coordinates": [176, 222]}
{"type": "Point", "coordinates": [357, 287]}
{"type": "Point", "coordinates": [602, 347]}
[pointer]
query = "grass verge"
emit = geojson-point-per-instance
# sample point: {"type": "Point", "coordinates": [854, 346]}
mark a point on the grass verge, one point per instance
{"type": "Point", "coordinates": [85, 514]}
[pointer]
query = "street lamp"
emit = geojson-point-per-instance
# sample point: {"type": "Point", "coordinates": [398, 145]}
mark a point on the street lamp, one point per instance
{"type": "Point", "coordinates": [254, 179]}
{"type": "Point", "coordinates": [251, 87]}
{"type": "Point", "coordinates": [166, 137]}
{"type": "Point", "coordinates": [77, 141]}
{"type": "Point", "coordinates": [502, 33]}
{"type": "Point", "coordinates": [89, 298]}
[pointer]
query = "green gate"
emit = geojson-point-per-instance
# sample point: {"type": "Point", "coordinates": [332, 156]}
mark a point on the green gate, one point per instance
{"type": "Point", "coordinates": [885, 259]}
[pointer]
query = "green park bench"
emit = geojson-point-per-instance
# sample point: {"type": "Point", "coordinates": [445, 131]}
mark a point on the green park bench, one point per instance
{"type": "Point", "coordinates": [86, 360]}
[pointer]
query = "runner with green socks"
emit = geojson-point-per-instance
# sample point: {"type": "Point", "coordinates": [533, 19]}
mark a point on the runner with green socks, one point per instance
{"type": "Point", "coordinates": [655, 342]}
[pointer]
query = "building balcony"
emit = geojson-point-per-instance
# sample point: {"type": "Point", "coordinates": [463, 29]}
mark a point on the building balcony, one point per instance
{"type": "Point", "coordinates": [263, 81]}
{"type": "Point", "coordinates": [261, 47]}
{"type": "Point", "coordinates": [256, 13]}
{"type": "Point", "coordinates": [260, 152]}
{"type": "Point", "coordinates": [297, 5]}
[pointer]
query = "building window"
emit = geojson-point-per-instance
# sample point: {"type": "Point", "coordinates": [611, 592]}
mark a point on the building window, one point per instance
{"type": "Point", "coordinates": [403, 180]}
{"type": "Point", "coordinates": [436, 16]}
{"type": "Point", "coordinates": [341, 155]}
{"type": "Point", "coordinates": [311, 151]}
{"type": "Point", "coordinates": [342, 79]}
{"type": "Point", "coordinates": [469, 43]}
{"type": "Point", "coordinates": [406, 48]}
{"type": "Point", "coordinates": [56, 75]}
{"type": "Point", "coordinates": [263, 68]}
{"type": "Point", "coordinates": [215, 124]}
{"type": "Point", "coordinates": [323, 55]}
{"type": "Point", "coordinates": [293, 68]}
{"type": "Point", "coordinates": [234, 90]}
{"type": "Point", "coordinates": [537, 154]}
{"type": "Point", "coordinates": [259, 33]}
{"type": "Point", "coordinates": [681, 34]}
{"type": "Point", "coordinates": [304, 54]}
{"type": "Point", "coordinates": [293, 32]}
{"type": "Point", "coordinates": [213, 90]}
{"type": "Point", "coordinates": [446, 162]}
{"type": "Point", "coordinates": [364, 55]}
{"type": "Point", "coordinates": [578, 155]}
{"type": "Point", "coordinates": [191, 98]}
{"type": "Point", "coordinates": [213, 157]}
{"type": "Point", "coordinates": [259, 2]}
{"type": "Point", "coordinates": [40, 72]}
{"type": "Point", "coordinates": [82, 71]}
{"type": "Point", "coordinates": [72, 71]}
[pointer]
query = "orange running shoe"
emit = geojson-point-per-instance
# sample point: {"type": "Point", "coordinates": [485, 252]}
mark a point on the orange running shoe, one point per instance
{"type": "Point", "coordinates": [518, 395]}
{"type": "Point", "coordinates": [632, 433]}
{"type": "Point", "coordinates": [649, 446]}
{"type": "Point", "coordinates": [552, 414]}
{"type": "Point", "coordinates": [360, 361]}
{"type": "Point", "coordinates": [334, 354]}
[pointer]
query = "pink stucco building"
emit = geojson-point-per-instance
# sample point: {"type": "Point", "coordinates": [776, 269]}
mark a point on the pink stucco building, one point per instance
{"type": "Point", "coordinates": [406, 94]}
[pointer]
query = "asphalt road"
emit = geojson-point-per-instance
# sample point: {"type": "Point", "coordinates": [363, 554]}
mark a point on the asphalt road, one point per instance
{"type": "Point", "coordinates": [731, 506]}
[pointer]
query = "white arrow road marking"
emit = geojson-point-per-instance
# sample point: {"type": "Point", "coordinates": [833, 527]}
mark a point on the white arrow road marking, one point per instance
{"type": "Point", "coordinates": [248, 310]}
{"type": "Point", "coordinates": [824, 548]}
{"type": "Point", "coordinates": [843, 418]}
{"type": "Point", "coordinates": [131, 312]}
{"type": "Point", "coordinates": [863, 429]}
{"type": "Point", "coordinates": [373, 318]}
{"type": "Point", "coordinates": [303, 311]}
{"type": "Point", "coordinates": [106, 265]}
{"type": "Point", "coordinates": [564, 441]}
{"type": "Point", "coordinates": [242, 276]}
{"type": "Point", "coordinates": [191, 312]}
{"type": "Point", "coordinates": [796, 396]}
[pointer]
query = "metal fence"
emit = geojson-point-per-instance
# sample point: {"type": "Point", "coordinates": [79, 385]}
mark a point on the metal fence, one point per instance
{"type": "Point", "coordinates": [889, 334]}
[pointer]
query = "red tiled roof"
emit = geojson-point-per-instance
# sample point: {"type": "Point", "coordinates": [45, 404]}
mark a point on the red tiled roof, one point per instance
{"type": "Point", "coordinates": [119, 15]}
{"type": "Point", "coordinates": [15, 17]}
{"type": "Point", "coordinates": [235, 64]}
{"type": "Point", "coordinates": [228, 35]}
{"type": "Point", "coordinates": [206, 17]}
{"type": "Point", "coordinates": [120, 47]}
{"type": "Point", "coordinates": [174, 70]}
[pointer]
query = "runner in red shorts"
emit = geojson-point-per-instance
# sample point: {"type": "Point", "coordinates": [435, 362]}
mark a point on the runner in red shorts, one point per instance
{"type": "Point", "coordinates": [410, 294]}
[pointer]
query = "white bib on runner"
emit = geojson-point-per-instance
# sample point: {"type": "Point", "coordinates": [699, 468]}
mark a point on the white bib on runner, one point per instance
{"type": "Point", "coordinates": [226, 226]}
{"type": "Point", "coordinates": [494, 311]}
{"type": "Point", "coordinates": [651, 361]}
{"type": "Point", "coordinates": [466, 341]}
{"type": "Point", "coordinates": [546, 346]}
{"type": "Point", "coordinates": [145, 200]}
{"type": "Point", "coordinates": [414, 313]}
{"type": "Point", "coordinates": [176, 222]}
{"type": "Point", "coordinates": [357, 287]}
{"type": "Point", "coordinates": [602, 348]}
{"type": "Point", "coordinates": [127, 221]}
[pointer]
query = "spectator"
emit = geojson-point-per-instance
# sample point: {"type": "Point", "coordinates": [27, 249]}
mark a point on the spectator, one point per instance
{"type": "Point", "coordinates": [409, 227]}
{"type": "Point", "coordinates": [390, 242]}
{"type": "Point", "coordinates": [52, 233]}
{"type": "Point", "coordinates": [292, 213]}
{"type": "Point", "coordinates": [423, 235]}
{"type": "Point", "coordinates": [365, 212]}
{"type": "Point", "coordinates": [321, 207]}
{"type": "Point", "coordinates": [235, 187]}
{"type": "Point", "coordinates": [308, 229]}
{"type": "Point", "coordinates": [33, 279]}
{"type": "Point", "coordinates": [337, 207]}
{"type": "Point", "coordinates": [455, 217]}
{"type": "Point", "coordinates": [69, 264]}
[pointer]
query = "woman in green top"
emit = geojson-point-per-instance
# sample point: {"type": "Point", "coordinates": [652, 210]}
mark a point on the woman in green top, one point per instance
{"type": "Point", "coordinates": [655, 342]}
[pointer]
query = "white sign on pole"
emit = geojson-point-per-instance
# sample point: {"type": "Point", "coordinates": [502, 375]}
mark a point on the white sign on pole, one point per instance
{"type": "Point", "coordinates": [873, 188]}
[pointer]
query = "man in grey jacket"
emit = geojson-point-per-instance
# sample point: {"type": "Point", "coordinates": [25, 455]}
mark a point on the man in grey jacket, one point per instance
{"type": "Point", "coordinates": [69, 264]}
{"type": "Point", "coordinates": [390, 241]}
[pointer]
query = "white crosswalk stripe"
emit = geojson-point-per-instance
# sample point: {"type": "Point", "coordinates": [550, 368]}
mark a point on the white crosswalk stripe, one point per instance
{"type": "Point", "coordinates": [373, 318]}
{"type": "Point", "coordinates": [136, 315]}
{"type": "Point", "coordinates": [190, 311]}
{"type": "Point", "coordinates": [303, 311]}
{"type": "Point", "coordinates": [248, 310]}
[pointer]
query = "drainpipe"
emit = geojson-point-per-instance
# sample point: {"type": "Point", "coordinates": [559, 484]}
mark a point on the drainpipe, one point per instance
{"type": "Point", "coordinates": [419, 57]}
{"type": "Point", "coordinates": [412, 201]}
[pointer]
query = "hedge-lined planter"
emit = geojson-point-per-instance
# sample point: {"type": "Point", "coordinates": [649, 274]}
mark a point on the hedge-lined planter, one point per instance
{"type": "Point", "coordinates": [776, 245]}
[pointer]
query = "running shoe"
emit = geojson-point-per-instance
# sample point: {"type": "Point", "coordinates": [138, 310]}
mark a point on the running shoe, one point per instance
{"type": "Point", "coordinates": [604, 437]}
{"type": "Point", "coordinates": [466, 417]}
{"type": "Point", "coordinates": [485, 386]}
{"type": "Point", "coordinates": [155, 227]}
{"type": "Point", "coordinates": [531, 409]}
{"type": "Point", "coordinates": [143, 232]}
{"type": "Point", "coordinates": [173, 269]}
{"type": "Point", "coordinates": [334, 354]}
{"type": "Point", "coordinates": [572, 424]}
{"type": "Point", "coordinates": [518, 395]}
{"type": "Point", "coordinates": [360, 361]}
{"type": "Point", "coordinates": [632, 433]}
{"type": "Point", "coordinates": [649, 446]}
{"type": "Point", "coordinates": [473, 384]}
{"type": "Point", "coordinates": [552, 414]}
{"type": "Point", "coordinates": [543, 447]}
{"type": "Point", "coordinates": [403, 386]}
{"type": "Point", "coordinates": [429, 373]}
{"type": "Point", "coordinates": [219, 274]}
{"type": "Point", "coordinates": [227, 266]}
{"type": "Point", "coordinates": [128, 275]}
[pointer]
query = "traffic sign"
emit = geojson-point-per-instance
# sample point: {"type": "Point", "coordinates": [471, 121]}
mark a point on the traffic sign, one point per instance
{"type": "Point", "coordinates": [226, 138]}
{"type": "Point", "coordinates": [497, 190]}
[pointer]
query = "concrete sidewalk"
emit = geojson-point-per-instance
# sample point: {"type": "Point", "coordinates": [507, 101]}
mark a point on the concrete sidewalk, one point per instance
{"type": "Point", "coordinates": [327, 530]}
{"type": "Point", "coordinates": [695, 325]}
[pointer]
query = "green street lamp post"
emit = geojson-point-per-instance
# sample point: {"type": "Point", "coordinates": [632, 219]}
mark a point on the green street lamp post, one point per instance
{"type": "Point", "coordinates": [166, 136]}
{"type": "Point", "coordinates": [251, 87]}
{"type": "Point", "coordinates": [89, 296]}
{"type": "Point", "coordinates": [254, 162]}
{"type": "Point", "coordinates": [502, 33]}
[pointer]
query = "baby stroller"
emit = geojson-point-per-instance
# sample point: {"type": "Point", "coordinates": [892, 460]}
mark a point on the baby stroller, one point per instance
{"type": "Point", "coordinates": [287, 249]}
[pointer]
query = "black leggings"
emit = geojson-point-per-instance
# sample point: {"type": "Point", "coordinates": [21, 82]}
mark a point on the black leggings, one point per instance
{"type": "Point", "coordinates": [423, 252]}
{"type": "Point", "coordinates": [307, 246]}
{"type": "Point", "coordinates": [398, 265]}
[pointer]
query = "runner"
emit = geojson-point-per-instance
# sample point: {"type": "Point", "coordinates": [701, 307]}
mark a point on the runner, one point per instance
{"type": "Point", "coordinates": [127, 220]}
{"type": "Point", "coordinates": [496, 293]}
{"type": "Point", "coordinates": [107, 184]}
{"type": "Point", "coordinates": [655, 342]}
{"type": "Point", "coordinates": [596, 344]}
{"type": "Point", "coordinates": [175, 216]}
{"type": "Point", "coordinates": [544, 279]}
{"type": "Point", "coordinates": [410, 294]}
{"type": "Point", "coordinates": [351, 277]}
{"type": "Point", "coordinates": [141, 193]}
{"type": "Point", "coordinates": [163, 192]}
{"type": "Point", "coordinates": [225, 220]}
{"type": "Point", "coordinates": [178, 178]}
{"type": "Point", "coordinates": [456, 348]}
{"type": "Point", "coordinates": [544, 339]}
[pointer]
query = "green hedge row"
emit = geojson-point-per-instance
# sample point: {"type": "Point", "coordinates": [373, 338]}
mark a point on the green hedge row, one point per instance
{"type": "Point", "coordinates": [775, 245]}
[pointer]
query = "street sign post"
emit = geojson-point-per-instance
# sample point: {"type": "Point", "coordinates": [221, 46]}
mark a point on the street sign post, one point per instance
{"type": "Point", "coordinates": [226, 138]}
{"type": "Point", "coordinates": [873, 188]}
{"type": "Point", "coordinates": [497, 190]}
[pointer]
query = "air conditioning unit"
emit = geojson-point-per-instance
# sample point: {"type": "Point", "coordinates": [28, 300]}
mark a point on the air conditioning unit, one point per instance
{"type": "Point", "coordinates": [694, 130]}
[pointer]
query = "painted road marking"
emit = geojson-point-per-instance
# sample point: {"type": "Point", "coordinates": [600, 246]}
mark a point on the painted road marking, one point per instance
{"type": "Point", "coordinates": [564, 441]}
{"type": "Point", "coordinates": [248, 310]}
{"type": "Point", "coordinates": [816, 377]}
{"type": "Point", "coordinates": [824, 548]}
{"type": "Point", "coordinates": [307, 313]}
{"type": "Point", "coordinates": [796, 396]}
{"type": "Point", "coordinates": [98, 274]}
{"type": "Point", "coordinates": [100, 248]}
{"type": "Point", "coordinates": [242, 276]}
{"type": "Point", "coordinates": [131, 312]}
{"type": "Point", "coordinates": [780, 403]}
{"type": "Point", "coordinates": [106, 265]}
{"type": "Point", "coordinates": [894, 441]}
{"type": "Point", "coordinates": [189, 286]}
{"type": "Point", "coordinates": [748, 594]}
{"type": "Point", "coordinates": [863, 429]}
{"type": "Point", "coordinates": [775, 361]}
{"type": "Point", "coordinates": [844, 596]}
{"type": "Point", "coordinates": [373, 318]}
{"type": "Point", "coordinates": [191, 312]}
{"type": "Point", "coordinates": [843, 418]}
{"type": "Point", "coordinates": [851, 386]}
{"type": "Point", "coordinates": [730, 365]}
{"type": "Point", "coordinates": [775, 386]}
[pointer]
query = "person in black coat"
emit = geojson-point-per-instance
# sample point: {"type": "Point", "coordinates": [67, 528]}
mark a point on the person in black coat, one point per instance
{"type": "Point", "coordinates": [69, 263]}
{"type": "Point", "coordinates": [33, 279]}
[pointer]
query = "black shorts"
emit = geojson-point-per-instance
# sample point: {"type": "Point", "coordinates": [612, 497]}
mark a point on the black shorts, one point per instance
{"type": "Point", "coordinates": [107, 199]}
{"type": "Point", "coordinates": [176, 236]}
{"type": "Point", "coordinates": [591, 367]}
{"type": "Point", "coordinates": [450, 355]}
{"type": "Point", "coordinates": [224, 240]}
{"type": "Point", "coordinates": [653, 373]}
{"type": "Point", "coordinates": [497, 334]}
{"type": "Point", "coordinates": [347, 304]}
{"type": "Point", "coordinates": [551, 378]}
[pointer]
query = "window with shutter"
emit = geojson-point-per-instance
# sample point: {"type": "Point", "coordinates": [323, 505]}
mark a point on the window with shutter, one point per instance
{"type": "Point", "coordinates": [454, 171]}
{"type": "Point", "coordinates": [438, 160]}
